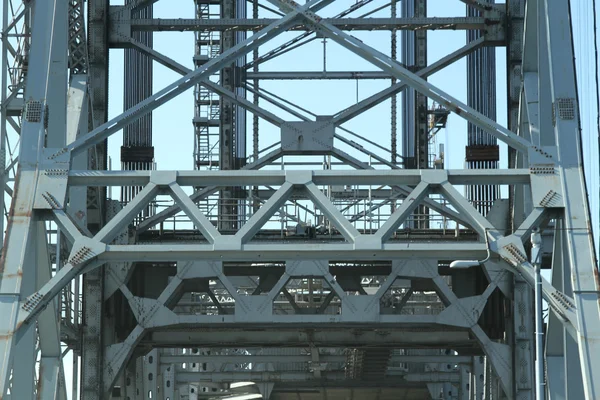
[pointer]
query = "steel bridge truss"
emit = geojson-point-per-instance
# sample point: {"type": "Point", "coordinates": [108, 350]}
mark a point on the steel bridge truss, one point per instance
{"type": "Point", "coordinates": [548, 180]}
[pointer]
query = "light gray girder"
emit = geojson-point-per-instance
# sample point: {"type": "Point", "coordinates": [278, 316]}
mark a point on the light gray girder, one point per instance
{"type": "Point", "coordinates": [355, 24]}
{"type": "Point", "coordinates": [303, 75]}
{"type": "Point", "coordinates": [333, 214]}
{"type": "Point", "coordinates": [563, 378]}
{"type": "Point", "coordinates": [20, 242]}
{"type": "Point", "coordinates": [187, 205]}
{"type": "Point", "coordinates": [265, 212]}
{"type": "Point", "coordinates": [244, 177]}
{"type": "Point", "coordinates": [468, 251]}
{"type": "Point", "coordinates": [579, 243]}
{"type": "Point", "coordinates": [134, 207]}
{"type": "Point", "coordinates": [50, 371]}
{"type": "Point", "coordinates": [88, 253]}
{"type": "Point", "coordinates": [191, 358]}
{"type": "Point", "coordinates": [404, 190]}
{"type": "Point", "coordinates": [576, 309]}
{"type": "Point", "coordinates": [203, 193]}
{"type": "Point", "coordinates": [409, 204]}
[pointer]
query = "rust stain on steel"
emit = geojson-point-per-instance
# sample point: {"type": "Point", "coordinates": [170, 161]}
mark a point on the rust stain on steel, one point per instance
{"type": "Point", "coordinates": [597, 278]}
{"type": "Point", "coordinates": [40, 374]}
{"type": "Point", "coordinates": [19, 273]}
{"type": "Point", "coordinates": [11, 216]}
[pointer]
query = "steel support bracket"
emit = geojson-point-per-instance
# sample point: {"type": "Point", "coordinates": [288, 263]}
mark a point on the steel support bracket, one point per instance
{"type": "Point", "coordinates": [495, 33]}
{"type": "Point", "coordinates": [51, 188]}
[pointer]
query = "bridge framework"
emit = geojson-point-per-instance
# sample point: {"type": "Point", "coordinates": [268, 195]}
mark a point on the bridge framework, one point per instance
{"type": "Point", "coordinates": [341, 304]}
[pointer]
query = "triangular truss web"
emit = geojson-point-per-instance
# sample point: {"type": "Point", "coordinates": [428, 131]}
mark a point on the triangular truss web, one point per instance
{"type": "Point", "coordinates": [411, 297]}
{"type": "Point", "coordinates": [330, 219]}
{"type": "Point", "coordinates": [205, 296]}
{"type": "Point", "coordinates": [307, 295]}
{"type": "Point", "coordinates": [301, 211]}
{"type": "Point", "coordinates": [309, 210]}
{"type": "Point", "coordinates": [199, 220]}
{"type": "Point", "coordinates": [473, 218]}
{"type": "Point", "coordinates": [268, 212]}
{"type": "Point", "coordinates": [129, 214]}
{"type": "Point", "coordinates": [446, 215]}
{"type": "Point", "coordinates": [436, 210]}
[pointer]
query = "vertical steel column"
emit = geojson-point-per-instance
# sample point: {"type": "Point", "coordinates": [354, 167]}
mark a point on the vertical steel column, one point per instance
{"type": "Point", "coordinates": [415, 144]}
{"type": "Point", "coordinates": [464, 383]}
{"type": "Point", "coordinates": [51, 363]}
{"type": "Point", "coordinates": [520, 329]}
{"type": "Point", "coordinates": [255, 98]}
{"type": "Point", "coordinates": [92, 311]}
{"type": "Point", "coordinates": [421, 139]}
{"type": "Point", "coordinates": [408, 95]}
{"type": "Point", "coordinates": [137, 152]}
{"type": "Point", "coordinates": [169, 382]}
{"type": "Point", "coordinates": [19, 254]}
{"type": "Point", "coordinates": [477, 372]}
{"type": "Point", "coordinates": [540, 376]}
{"type": "Point", "coordinates": [482, 148]}
{"type": "Point", "coordinates": [394, 101]}
{"type": "Point", "coordinates": [561, 353]}
{"type": "Point", "coordinates": [255, 124]}
{"type": "Point", "coordinates": [522, 332]}
{"type": "Point", "coordinates": [421, 134]}
{"type": "Point", "coordinates": [151, 378]}
{"type": "Point", "coordinates": [3, 109]}
{"type": "Point", "coordinates": [24, 371]}
{"type": "Point", "coordinates": [77, 208]}
{"type": "Point", "coordinates": [240, 112]}
{"type": "Point", "coordinates": [578, 240]}
{"type": "Point", "coordinates": [227, 139]}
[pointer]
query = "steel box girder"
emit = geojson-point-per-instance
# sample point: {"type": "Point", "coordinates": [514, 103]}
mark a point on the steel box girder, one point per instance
{"type": "Point", "coordinates": [318, 177]}
{"type": "Point", "coordinates": [366, 24]}
{"type": "Point", "coordinates": [287, 251]}
{"type": "Point", "coordinates": [264, 337]}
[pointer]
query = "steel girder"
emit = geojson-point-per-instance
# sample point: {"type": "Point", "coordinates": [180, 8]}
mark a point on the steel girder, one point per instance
{"type": "Point", "coordinates": [351, 24]}
{"type": "Point", "coordinates": [554, 178]}
{"type": "Point", "coordinates": [89, 252]}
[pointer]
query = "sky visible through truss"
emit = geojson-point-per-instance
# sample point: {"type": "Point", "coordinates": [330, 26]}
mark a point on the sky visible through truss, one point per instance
{"type": "Point", "coordinates": [172, 123]}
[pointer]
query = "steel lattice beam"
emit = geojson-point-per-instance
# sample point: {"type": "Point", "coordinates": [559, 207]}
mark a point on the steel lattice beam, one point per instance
{"type": "Point", "coordinates": [273, 309]}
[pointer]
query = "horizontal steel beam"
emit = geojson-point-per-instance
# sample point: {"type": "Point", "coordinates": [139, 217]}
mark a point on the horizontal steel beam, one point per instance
{"type": "Point", "coordinates": [312, 386]}
{"type": "Point", "coordinates": [308, 251]}
{"type": "Point", "coordinates": [265, 336]}
{"type": "Point", "coordinates": [351, 24]}
{"type": "Point", "coordinates": [287, 376]}
{"type": "Point", "coordinates": [253, 376]}
{"type": "Point", "coordinates": [260, 358]}
{"type": "Point", "coordinates": [276, 177]}
{"type": "Point", "coordinates": [304, 75]}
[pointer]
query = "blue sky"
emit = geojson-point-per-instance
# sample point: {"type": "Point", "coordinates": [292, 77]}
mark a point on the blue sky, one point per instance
{"type": "Point", "coordinates": [319, 96]}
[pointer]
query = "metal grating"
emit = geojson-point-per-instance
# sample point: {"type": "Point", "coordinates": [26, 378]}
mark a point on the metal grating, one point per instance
{"type": "Point", "coordinates": [33, 111]}
{"type": "Point", "coordinates": [566, 108]}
